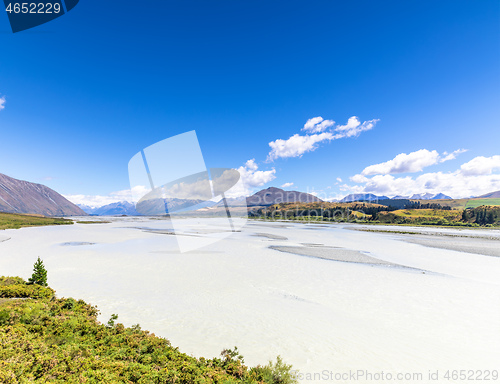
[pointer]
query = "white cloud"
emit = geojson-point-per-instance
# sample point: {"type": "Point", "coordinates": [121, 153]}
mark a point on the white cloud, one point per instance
{"type": "Point", "coordinates": [2, 102]}
{"type": "Point", "coordinates": [352, 123]}
{"type": "Point", "coordinates": [474, 178]}
{"type": "Point", "coordinates": [339, 179]}
{"type": "Point", "coordinates": [410, 163]}
{"type": "Point", "coordinates": [359, 179]}
{"type": "Point", "coordinates": [404, 163]}
{"type": "Point", "coordinates": [309, 125]}
{"type": "Point", "coordinates": [296, 145]}
{"type": "Point", "coordinates": [324, 125]}
{"type": "Point", "coordinates": [354, 127]}
{"type": "Point", "coordinates": [251, 165]}
{"type": "Point", "coordinates": [251, 178]}
{"type": "Point", "coordinates": [286, 185]}
{"type": "Point", "coordinates": [481, 165]}
{"type": "Point", "coordinates": [317, 124]}
{"type": "Point", "coordinates": [452, 156]}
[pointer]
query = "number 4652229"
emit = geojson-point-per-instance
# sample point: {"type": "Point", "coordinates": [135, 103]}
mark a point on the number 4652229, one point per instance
{"type": "Point", "coordinates": [33, 8]}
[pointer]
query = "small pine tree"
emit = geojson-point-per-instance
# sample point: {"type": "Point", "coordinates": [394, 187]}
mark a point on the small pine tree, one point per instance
{"type": "Point", "coordinates": [39, 274]}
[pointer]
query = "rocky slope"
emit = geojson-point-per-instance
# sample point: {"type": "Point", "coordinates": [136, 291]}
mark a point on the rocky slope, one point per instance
{"type": "Point", "coordinates": [18, 196]}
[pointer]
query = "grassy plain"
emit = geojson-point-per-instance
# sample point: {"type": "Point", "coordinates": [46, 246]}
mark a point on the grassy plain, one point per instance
{"type": "Point", "coordinates": [16, 221]}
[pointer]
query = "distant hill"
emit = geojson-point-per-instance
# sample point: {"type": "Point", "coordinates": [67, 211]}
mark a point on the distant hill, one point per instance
{"type": "Point", "coordinates": [362, 197]}
{"type": "Point", "coordinates": [18, 196]}
{"type": "Point", "coordinates": [274, 195]}
{"type": "Point", "coordinates": [491, 195]}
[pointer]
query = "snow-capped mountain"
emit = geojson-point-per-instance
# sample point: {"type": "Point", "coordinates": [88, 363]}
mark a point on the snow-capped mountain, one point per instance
{"type": "Point", "coordinates": [113, 209]}
{"type": "Point", "coordinates": [429, 196]}
{"type": "Point", "coordinates": [362, 196]}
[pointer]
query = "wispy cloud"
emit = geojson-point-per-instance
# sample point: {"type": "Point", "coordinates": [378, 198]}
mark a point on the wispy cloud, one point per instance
{"type": "Point", "coordinates": [354, 127]}
{"type": "Point", "coordinates": [297, 145]}
{"type": "Point", "coordinates": [317, 124]}
{"type": "Point", "coordinates": [286, 185]}
{"type": "Point", "coordinates": [453, 155]}
{"type": "Point", "coordinates": [2, 102]}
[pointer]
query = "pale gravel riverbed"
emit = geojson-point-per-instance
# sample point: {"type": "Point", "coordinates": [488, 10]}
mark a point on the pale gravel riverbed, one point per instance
{"type": "Point", "coordinates": [318, 313]}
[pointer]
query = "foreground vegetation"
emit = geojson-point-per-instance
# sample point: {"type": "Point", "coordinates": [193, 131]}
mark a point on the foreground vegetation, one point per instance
{"type": "Point", "coordinates": [16, 221]}
{"type": "Point", "coordinates": [414, 213]}
{"type": "Point", "coordinates": [48, 340]}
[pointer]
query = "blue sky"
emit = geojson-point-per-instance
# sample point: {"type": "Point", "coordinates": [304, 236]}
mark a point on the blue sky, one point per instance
{"type": "Point", "coordinates": [79, 96]}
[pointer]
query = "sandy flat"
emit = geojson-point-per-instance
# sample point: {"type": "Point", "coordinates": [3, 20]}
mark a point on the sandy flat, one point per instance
{"type": "Point", "coordinates": [481, 242]}
{"type": "Point", "coordinates": [332, 253]}
{"type": "Point", "coordinates": [271, 236]}
{"type": "Point", "coordinates": [470, 245]}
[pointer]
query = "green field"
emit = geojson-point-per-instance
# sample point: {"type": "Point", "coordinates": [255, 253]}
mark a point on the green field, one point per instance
{"type": "Point", "coordinates": [16, 221]}
{"type": "Point", "coordinates": [473, 203]}
{"type": "Point", "coordinates": [463, 203]}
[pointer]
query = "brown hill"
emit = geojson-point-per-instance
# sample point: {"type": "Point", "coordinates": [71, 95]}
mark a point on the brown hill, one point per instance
{"type": "Point", "coordinates": [491, 195]}
{"type": "Point", "coordinates": [18, 196]}
{"type": "Point", "coordinates": [274, 195]}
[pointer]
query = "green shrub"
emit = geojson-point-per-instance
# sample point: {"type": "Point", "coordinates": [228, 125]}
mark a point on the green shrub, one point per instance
{"type": "Point", "coordinates": [26, 291]}
{"type": "Point", "coordinates": [275, 373]}
{"type": "Point", "coordinates": [4, 317]}
{"type": "Point", "coordinates": [5, 280]}
{"type": "Point", "coordinates": [70, 303]}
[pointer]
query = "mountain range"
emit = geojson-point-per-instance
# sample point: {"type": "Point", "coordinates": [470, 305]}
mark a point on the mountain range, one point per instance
{"type": "Point", "coordinates": [113, 209]}
{"type": "Point", "coordinates": [19, 196]}
{"type": "Point", "coordinates": [372, 197]}
{"type": "Point", "coordinates": [266, 197]}
{"type": "Point", "coordinates": [362, 196]}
